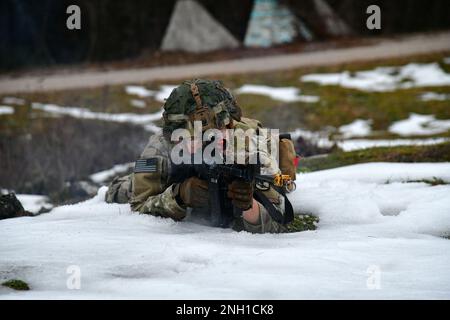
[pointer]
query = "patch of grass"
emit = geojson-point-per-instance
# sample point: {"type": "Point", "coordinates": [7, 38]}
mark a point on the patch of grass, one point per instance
{"type": "Point", "coordinates": [338, 106]}
{"type": "Point", "coordinates": [112, 99]}
{"type": "Point", "coordinates": [289, 116]}
{"type": "Point", "coordinates": [303, 223]}
{"type": "Point", "coordinates": [433, 182]}
{"type": "Point", "coordinates": [109, 99]}
{"type": "Point", "coordinates": [433, 153]}
{"type": "Point", "coordinates": [16, 284]}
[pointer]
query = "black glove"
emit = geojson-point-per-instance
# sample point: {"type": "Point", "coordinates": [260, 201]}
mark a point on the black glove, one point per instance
{"type": "Point", "coordinates": [193, 192]}
{"type": "Point", "coordinates": [241, 194]}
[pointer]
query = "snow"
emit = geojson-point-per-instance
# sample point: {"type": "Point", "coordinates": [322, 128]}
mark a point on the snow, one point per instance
{"type": "Point", "coordinates": [161, 95]}
{"type": "Point", "coordinates": [447, 60]}
{"type": "Point", "coordinates": [164, 92]}
{"type": "Point", "coordinates": [415, 125]}
{"type": "Point", "coordinates": [433, 96]}
{"type": "Point", "coordinates": [321, 139]}
{"type": "Point", "coordinates": [34, 203]}
{"type": "Point", "coordinates": [138, 103]}
{"type": "Point", "coordinates": [6, 110]}
{"type": "Point", "coordinates": [82, 113]}
{"type": "Point", "coordinates": [358, 128]}
{"type": "Point", "coordinates": [139, 91]}
{"type": "Point", "coordinates": [14, 101]}
{"type": "Point", "coordinates": [358, 144]}
{"type": "Point", "coordinates": [285, 94]}
{"type": "Point", "coordinates": [419, 124]}
{"type": "Point", "coordinates": [365, 225]}
{"type": "Point", "coordinates": [104, 175]}
{"type": "Point", "coordinates": [381, 172]}
{"type": "Point", "coordinates": [385, 78]}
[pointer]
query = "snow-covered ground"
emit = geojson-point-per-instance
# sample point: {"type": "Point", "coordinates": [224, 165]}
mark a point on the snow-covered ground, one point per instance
{"type": "Point", "coordinates": [139, 91]}
{"type": "Point", "coordinates": [164, 92]}
{"type": "Point", "coordinates": [13, 100]}
{"type": "Point", "coordinates": [358, 144]}
{"type": "Point", "coordinates": [358, 128]}
{"type": "Point", "coordinates": [84, 113]}
{"type": "Point", "coordinates": [375, 240]}
{"type": "Point", "coordinates": [321, 139]}
{"type": "Point", "coordinates": [385, 78]}
{"type": "Point", "coordinates": [138, 103]}
{"type": "Point", "coordinates": [6, 110]}
{"type": "Point", "coordinates": [34, 203]}
{"type": "Point", "coordinates": [419, 124]}
{"type": "Point", "coordinates": [142, 92]}
{"type": "Point", "coordinates": [285, 94]}
{"type": "Point", "coordinates": [102, 176]}
{"type": "Point", "coordinates": [145, 120]}
{"type": "Point", "coordinates": [433, 96]}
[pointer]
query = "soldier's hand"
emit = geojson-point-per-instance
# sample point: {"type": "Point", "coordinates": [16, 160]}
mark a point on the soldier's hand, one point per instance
{"type": "Point", "coordinates": [193, 192]}
{"type": "Point", "coordinates": [241, 194]}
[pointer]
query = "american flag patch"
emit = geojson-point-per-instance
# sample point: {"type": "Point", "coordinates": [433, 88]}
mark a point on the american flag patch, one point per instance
{"type": "Point", "coordinates": [146, 165]}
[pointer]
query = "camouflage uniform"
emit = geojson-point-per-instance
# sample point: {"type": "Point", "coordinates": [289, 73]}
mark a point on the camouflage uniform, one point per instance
{"type": "Point", "coordinates": [150, 192]}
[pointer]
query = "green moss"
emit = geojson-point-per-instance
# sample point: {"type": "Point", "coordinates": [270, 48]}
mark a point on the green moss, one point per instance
{"type": "Point", "coordinates": [16, 284]}
{"type": "Point", "coordinates": [433, 153]}
{"type": "Point", "coordinates": [303, 223]}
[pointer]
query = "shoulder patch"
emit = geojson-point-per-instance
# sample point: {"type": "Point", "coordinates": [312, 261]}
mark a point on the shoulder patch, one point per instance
{"type": "Point", "coordinates": [146, 165]}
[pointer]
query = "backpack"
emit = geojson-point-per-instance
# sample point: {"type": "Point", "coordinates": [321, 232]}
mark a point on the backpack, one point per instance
{"type": "Point", "coordinates": [288, 158]}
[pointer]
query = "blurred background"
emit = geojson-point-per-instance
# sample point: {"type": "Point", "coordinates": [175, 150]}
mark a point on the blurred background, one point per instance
{"type": "Point", "coordinates": [60, 144]}
{"type": "Point", "coordinates": [32, 32]}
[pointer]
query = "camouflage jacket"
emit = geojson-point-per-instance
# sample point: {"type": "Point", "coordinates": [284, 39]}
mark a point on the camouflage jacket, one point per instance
{"type": "Point", "coordinates": [151, 193]}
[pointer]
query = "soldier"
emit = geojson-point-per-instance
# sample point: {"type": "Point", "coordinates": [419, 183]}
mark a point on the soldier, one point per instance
{"type": "Point", "coordinates": [148, 189]}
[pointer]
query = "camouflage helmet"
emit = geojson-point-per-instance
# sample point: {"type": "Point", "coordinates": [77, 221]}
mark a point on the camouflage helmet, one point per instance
{"type": "Point", "coordinates": [204, 100]}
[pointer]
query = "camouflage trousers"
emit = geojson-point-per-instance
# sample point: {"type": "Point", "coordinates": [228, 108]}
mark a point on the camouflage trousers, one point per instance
{"type": "Point", "coordinates": [119, 190]}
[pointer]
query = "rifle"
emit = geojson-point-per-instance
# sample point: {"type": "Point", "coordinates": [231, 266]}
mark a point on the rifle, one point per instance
{"type": "Point", "coordinates": [219, 176]}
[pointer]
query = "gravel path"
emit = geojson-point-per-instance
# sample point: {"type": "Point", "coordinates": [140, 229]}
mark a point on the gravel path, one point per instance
{"type": "Point", "coordinates": [387, 48]}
